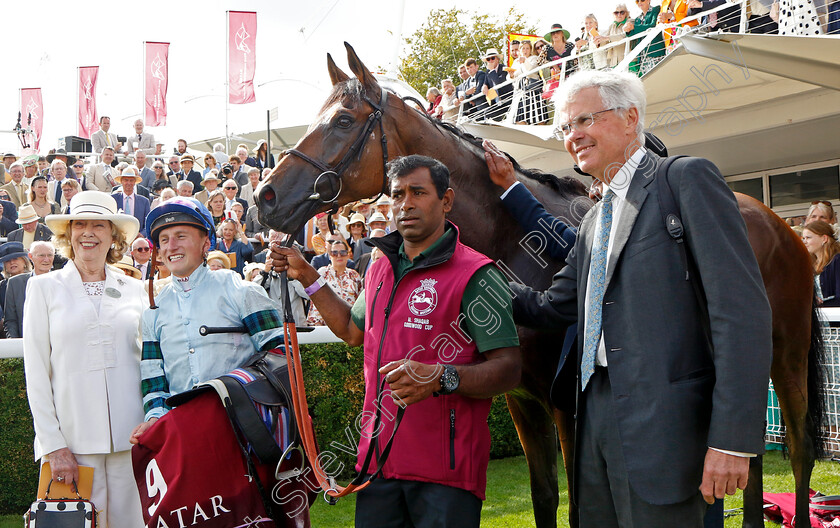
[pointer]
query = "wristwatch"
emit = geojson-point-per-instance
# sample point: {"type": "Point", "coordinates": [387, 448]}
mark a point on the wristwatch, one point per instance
{"type": "Point", "coordinates": [449, 380]}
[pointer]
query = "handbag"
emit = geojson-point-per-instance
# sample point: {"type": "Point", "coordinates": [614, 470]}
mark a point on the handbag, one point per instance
{"type": "Point", "coordinates": [61, 513]}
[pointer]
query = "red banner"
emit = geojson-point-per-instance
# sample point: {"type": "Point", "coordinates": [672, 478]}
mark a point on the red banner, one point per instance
{"type": "Point", "coordinates": [32, 113]}
{"type": "Point", "coordinates": [156, 82]}
{"type": "Point", "coordinates": [87, 100]}
{"type": "Point", "coordinates": [242, 56]}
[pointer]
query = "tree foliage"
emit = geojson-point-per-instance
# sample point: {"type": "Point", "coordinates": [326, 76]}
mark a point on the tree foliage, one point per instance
{"type": "Point", "coordinates": [449, 37]}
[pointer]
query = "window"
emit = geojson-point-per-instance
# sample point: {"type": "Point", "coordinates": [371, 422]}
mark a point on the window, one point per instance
{"type": "Point", "coordinates": [752, 187]}
{"type": "Point", "coordinates": [804, 186]}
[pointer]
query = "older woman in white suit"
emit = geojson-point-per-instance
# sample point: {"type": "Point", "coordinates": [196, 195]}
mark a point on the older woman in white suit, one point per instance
{"type": "Point", "coordinates": [81, 349]}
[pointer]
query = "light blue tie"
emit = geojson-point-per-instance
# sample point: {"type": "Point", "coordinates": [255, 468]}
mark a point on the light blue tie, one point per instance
{"type": "Point", "coordinates": [129, 210]}
{"type": "Point", "coordinates": [595, 303]}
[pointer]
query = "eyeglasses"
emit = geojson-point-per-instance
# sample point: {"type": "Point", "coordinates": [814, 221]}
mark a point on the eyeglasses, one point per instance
{"type": "Point", "coordinates": [824, 202]}
{"type": "Point", "coordinates": [173, 162]}
{"type": "Point", "coordinates": [142, 249]}
{"type": "Point", "coordinates": [339, 253]}
{"type": "Point", "coordinates": [581, 122]}
{"type": "Point", "coordinates": [620, 12]}
{"type": "Point", "coordinates": [79, 166]}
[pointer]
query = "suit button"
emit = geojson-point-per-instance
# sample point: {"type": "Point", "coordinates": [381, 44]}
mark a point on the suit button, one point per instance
{"type": "Point", "coordinates": [192, 351]}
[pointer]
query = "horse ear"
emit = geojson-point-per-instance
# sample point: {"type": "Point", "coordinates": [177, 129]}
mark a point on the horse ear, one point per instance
{"type": "Point", "coordinates": [336, 75]}
{"type": "Point", "coordinates": [363, 74]}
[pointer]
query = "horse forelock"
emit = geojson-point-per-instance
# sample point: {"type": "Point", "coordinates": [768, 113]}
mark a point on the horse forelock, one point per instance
{"type": "Point", "coordinates": [348, 93]}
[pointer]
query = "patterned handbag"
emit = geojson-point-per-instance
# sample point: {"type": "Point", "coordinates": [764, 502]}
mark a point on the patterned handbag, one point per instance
{"type": "Point", "coordinates": [61, 513]}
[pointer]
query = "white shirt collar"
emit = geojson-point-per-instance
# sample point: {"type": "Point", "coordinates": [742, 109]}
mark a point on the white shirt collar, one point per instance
{"type": "Point", "coordinates": [621, 181]}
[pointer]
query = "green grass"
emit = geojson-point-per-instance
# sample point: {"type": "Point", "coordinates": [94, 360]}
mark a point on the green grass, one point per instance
{"type": "Point", "coordinates": [509, 502]}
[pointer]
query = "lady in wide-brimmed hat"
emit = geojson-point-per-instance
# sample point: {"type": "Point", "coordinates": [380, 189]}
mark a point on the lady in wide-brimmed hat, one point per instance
{"type": "Point", "coordinates": [81, 351]}
{"type": "Point", "coordinates": [358, 231]}
{"type": "Point", "coordinates": [261, 150]}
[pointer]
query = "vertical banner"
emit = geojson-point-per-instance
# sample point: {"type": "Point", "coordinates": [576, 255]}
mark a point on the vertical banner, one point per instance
{"type": "Point", "coordinates": [156, 82]}
{"type": "Point", "coordinates": [32, 113]}
{"type": "Point", "coordinates": [87, 100]}
{"type": "Point", "coordinates": [242, 56]}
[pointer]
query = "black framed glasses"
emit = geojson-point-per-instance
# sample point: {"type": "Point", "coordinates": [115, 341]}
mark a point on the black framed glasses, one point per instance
{"type": "Point", "coordinates": [229, 188]}
{"type": "Point", "coordinates": [339, 253]}
{"type": "Point", "coordinates": [142, 249]}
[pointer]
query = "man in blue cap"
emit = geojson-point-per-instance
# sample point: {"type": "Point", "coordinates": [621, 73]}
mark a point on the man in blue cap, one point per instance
{"type": "Point", "coordinates": [182, 230]}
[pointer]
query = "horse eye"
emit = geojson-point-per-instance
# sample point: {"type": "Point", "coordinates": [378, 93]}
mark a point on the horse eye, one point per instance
{"type": "Point", "coordinates": [344, 122]}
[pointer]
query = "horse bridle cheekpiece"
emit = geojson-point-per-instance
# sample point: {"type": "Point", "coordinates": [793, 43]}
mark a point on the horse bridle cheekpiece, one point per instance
{"type": "Point", "coordinates": [330, 174]}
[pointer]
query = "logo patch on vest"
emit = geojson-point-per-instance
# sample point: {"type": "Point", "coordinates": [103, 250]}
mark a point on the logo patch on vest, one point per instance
{"type": "Point", "coordinates": [424, 299]}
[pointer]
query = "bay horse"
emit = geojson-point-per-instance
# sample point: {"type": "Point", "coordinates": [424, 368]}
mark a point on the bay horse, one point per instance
{"type": "Point", "coordinates": [341, 159]}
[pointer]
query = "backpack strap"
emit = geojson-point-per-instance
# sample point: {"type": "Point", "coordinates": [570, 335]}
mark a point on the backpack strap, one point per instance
{"type": "Point", "coordinates": [670, 210]}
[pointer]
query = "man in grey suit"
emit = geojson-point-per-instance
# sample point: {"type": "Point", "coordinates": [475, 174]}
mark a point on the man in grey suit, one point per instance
{"type": "Point", "coordinates": [672, 373]}
{"type": "Point", "coordinates": [147, 175]}
{"type": "Point", "coordinates": [103, 138]}
{"type": "Point", "coordinates": [141, 140]}
{"type": "Point", "coordinates": [41, 254]}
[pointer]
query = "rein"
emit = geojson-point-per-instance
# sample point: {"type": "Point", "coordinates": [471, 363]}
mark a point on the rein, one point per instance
{"type": "Point", "coordinates": [332, 490]}
{"type": "Point", "coordinates": [355, 151]}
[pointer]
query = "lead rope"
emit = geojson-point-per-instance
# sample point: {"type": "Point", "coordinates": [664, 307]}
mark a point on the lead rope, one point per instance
{"type": "Point", "coordinates": [301, 409]}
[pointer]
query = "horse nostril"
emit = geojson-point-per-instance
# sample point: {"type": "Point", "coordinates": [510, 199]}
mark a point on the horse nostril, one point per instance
{"type": "Point", "coordinates": [269, 196]}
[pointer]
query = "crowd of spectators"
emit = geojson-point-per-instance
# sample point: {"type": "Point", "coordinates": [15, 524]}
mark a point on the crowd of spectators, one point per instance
{"type": "Point", "coordinates": [519, 78]}
{"type": "Point", "coordinates": [142, 179]}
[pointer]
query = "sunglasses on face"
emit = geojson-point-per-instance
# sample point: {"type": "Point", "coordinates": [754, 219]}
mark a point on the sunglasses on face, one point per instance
{"type": "Point", "coordinates": [619, 12]}
{"type": "Point", "coordinates": [79, 166]}
{"type": "Point", "coordinates": [142, 249]}
{"type": "Point", "coordinates": [339, 253]}
{"type": "Point", "coordinates": [229, 188]}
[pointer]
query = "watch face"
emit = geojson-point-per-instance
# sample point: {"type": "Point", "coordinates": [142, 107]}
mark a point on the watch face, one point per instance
{"type": "Point", "coordinates": [449, 380]}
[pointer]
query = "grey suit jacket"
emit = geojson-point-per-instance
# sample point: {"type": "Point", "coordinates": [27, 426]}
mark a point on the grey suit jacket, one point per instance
{"type": "Point", "coordinates": [13, 310]}
{"type": "Point", "coordinates": [682, 380]}
{"type": "Point", "coordinates": [146, 143]}
{"type": "Point", "coordinates": [98, 142]}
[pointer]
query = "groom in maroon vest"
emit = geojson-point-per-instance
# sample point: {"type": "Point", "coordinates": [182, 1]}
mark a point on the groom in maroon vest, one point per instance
{"type": "Point", "coordinates": [435, 320]}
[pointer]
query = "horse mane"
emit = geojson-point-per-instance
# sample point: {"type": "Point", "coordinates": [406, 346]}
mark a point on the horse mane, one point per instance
{"type": "Point", "coordinates": [351, 93]}
{"type": "Point", "coordinates": [565, 185]}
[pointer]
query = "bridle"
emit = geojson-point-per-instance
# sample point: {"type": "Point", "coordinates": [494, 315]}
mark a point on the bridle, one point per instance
{"type": "Point", "coordinates": [336, 172]}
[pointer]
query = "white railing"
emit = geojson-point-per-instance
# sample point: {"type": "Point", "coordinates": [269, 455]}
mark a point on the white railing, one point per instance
{"type": "Point", "coordinates": [636, 47]}
{"type": "Point", "coordinates": [13, 348]}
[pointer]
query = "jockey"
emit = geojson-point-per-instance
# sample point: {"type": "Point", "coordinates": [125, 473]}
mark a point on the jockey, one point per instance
{"type": "Point", "coordinates": [182, 230]}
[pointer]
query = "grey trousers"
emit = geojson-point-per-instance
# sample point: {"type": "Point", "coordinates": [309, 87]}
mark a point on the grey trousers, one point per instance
{"type": "Point", "coordinates": [605, 497]}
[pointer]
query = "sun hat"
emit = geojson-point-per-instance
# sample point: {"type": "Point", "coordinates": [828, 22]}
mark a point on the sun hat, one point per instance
{"type": "Point", "coordinates": [30, 160]}
{"type": "Point", "coordinates": [377, 217]}
{"type": "Point", "coordinates": [127, 264]}
{"type": "Point", "coordinates": [10, 155]}
{"type": "Point", "coordinates": [211, 176]}
{"type": "Point", "coordinates": [180, 210]}
{"type": "Point", "coordinates": [554, 29]}
{"type": "Point", "coordinates": [491, 52]}
{"type": "Point", "coordinates": [249, 267]}
{"type": "Point", "coordinates": [260, 143]}
{"type": "Point", "coordinates": [12, 250]}
{"type": "Point", "coordinates": [94, 205]}
{"type": "Point", "coordinates": [383, 200]}
{"type": "Point", "coordinates": [357, 218]}
{"type": "Point", "coordinates": [119, 177]}
{"type": "Point", "coordinates": [26, 214]}
{"type": "Point", "coordinates": [60, 152]}
{"type": "Point", "coordinates": [187, 157]}
{"type": "Point", "coordinates": [220, 256]}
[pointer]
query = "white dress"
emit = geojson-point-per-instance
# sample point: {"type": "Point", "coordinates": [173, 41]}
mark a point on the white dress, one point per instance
{"type": "Point", "coordinates": [798, 17]}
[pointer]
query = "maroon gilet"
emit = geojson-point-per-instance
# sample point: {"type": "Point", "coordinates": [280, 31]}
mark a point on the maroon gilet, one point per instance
{"type": "Point", "coordinates": [442, 439]}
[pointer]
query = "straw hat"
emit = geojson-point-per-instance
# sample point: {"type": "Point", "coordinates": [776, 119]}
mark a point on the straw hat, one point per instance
{"type": "Point", "coordinates": [383, 200]}
{"type": "Point", "coordinates": [491, 52]}
{"type": "Point", "coordinates": [26, 214]}
{"type": "Point", "coordinates": [377, 217]}
{"type": "Point", "coordinates": [127, 265]}
{"type": "Point", "coordinates": [210, 177]}
{"type": "Point", "coordinates": [260, 143]}
{"type": "Point", "coordinates": [220, 256]}
{"type": "Point", "coordinates": [119, 177]}
{"type": "Point", "coordinates": [249, 267]}
{"type": "Point", "coordinates": [187, 157]}
{"type": "Point", "coordinates": [94, 205]}
{"type": "Point", "coordinates": [357, 218]}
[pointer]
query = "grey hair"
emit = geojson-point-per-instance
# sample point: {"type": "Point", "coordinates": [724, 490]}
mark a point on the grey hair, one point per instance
{"type": "Point", "coordinates": [620, 90]}
{"type": "Point", "coordinates": [433, 90]}
{"type": "Point", "coordinates": [185, 183]}
{"type": "Point", "coordinates": [622, 6]}
{"type": "Point", "coordinates": [55, 162]}
{"type": "Point", "coordinates": [218, 147]}
{"type": "Point", "coordinates": [591, 16]}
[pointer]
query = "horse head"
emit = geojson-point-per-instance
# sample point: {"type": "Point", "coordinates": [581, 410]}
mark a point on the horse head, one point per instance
{"type": "Point", "coordinates": [338, 160]}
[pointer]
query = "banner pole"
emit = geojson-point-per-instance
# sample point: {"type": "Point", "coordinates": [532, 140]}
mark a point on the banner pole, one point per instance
{"type": "Point", "coordinates": [227, 85]}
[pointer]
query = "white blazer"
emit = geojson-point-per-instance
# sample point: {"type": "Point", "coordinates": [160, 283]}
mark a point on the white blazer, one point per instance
{"type": "Point", "coordinates": [83, 369]}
